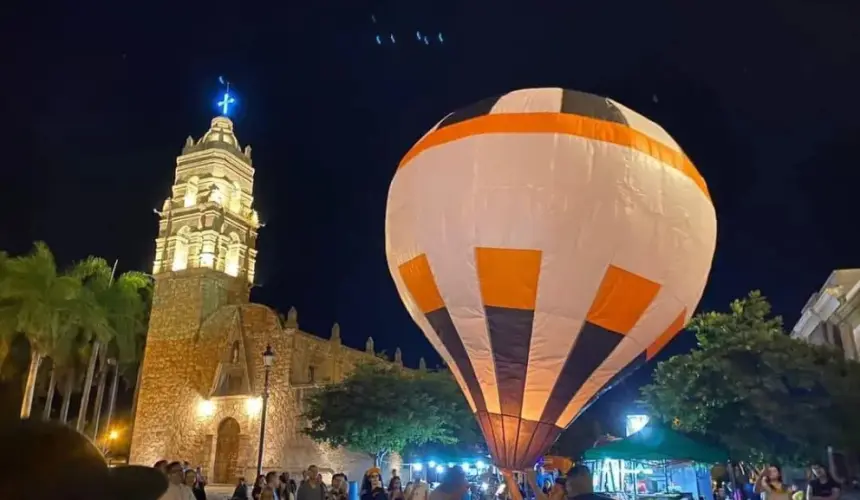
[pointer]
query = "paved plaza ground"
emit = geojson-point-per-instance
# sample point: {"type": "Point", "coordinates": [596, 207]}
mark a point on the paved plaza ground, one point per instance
{"type": "Point", "coordinates": [219, 492]}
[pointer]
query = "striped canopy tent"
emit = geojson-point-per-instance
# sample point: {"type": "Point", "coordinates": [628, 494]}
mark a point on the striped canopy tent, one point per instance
{"type": "Point", "coordinates": [547, 242]}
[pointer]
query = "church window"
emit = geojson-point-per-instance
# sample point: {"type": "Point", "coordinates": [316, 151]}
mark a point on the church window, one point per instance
{"type": "Point", "coordinates": [234, 352]}
{"type": "Point", "coordinates": [231, 266]}
{"type": "Point", "coordinates": [191, 190]}
{"type": "Point", "coordinates": [311, 374]}
{"type": "Point", "coordinates": [207, 254]}
{"type": "Point", "coordinates": [216, 195]}
{"type": "Point", "coordinates": [180, 249]}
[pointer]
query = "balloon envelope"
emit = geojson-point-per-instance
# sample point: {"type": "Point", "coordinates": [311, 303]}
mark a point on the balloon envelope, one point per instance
{"type": "Point", "coordinates": [547, 242]}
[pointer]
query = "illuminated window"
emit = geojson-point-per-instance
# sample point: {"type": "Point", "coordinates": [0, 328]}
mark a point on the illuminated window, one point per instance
{"type": "Point", "coordinates": [231, 266]}
{"type": "Point", "coordinates": [180, 249]}
{"type": "Point", "coordinates": [216, 195]}
{"type": "Point", "coordinates": [207, 254]}
{"type": "Point", "coordinates": [207, 259]}
{"type": "Point", "coordinates": [191, 191]}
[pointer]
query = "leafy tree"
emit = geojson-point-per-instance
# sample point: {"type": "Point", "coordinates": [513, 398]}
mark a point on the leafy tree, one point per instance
{"type": "Point", "coordinates": [380, 409]}
{"type": "Point", "coordinates": [762, 394]}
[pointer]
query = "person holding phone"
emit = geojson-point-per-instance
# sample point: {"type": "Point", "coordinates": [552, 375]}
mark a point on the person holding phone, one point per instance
{"type": "Point", "coordinates": [770, 485]}
{"type": "Point", "coordinates": [372, 487]}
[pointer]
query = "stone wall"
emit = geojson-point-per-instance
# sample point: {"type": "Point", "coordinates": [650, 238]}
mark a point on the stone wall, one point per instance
{"type": "Point", "coordinates": [196, 318]}
{"type": "Point", "coordinates": [171, 362]}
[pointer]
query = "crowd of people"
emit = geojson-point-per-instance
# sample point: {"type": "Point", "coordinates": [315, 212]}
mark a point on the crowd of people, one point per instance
{"type": "Point", "coordinates": [186, 483]}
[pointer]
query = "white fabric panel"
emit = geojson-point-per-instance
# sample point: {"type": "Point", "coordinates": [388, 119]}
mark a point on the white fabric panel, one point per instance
{"type": "Point", "coordinates": [527, 209]}
{"type": "Point", "coordinates": [657, 318]}
{"type": "Point", "coordinates": [546, 100]}
{"type": "Point", "coordinates": [646, 126]}
{"type": "Point", "coordinates": [443, 206]}
{"type": "Point", "coordinates": [400, 216]}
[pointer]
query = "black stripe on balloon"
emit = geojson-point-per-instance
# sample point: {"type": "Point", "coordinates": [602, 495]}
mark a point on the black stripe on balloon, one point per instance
{"type": "Point", "coordinates": [444, 327]}
{"type": "Point", "coordinates": [480, 108]}
{"type": "Point", "coordinates": [590, 105]}
{"type": "Point", "coordinates": [616, 379]}
{"type": "Point", "coordinates": [510, 337]}
{"type": "Point", "coordinates": [592, 346]}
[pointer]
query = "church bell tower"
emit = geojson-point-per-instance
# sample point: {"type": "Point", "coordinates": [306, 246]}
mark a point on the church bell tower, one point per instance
{"type": "Point", "coordinates": [205, 257]}
{"type": "Point", "coordinates": [209, 221]}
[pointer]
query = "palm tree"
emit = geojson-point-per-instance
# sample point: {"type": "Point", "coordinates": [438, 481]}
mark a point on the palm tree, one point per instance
{"type": "Point", "coordinates": [70, 375]}
{"type": "Point", "coordinates": [96, 276]}
{"type": "Point", "coordinates": [126, 303]}
{"type": "Point", "coordinates": [121, 303]}
{"type": "Point", "coordinates": [38, 301]}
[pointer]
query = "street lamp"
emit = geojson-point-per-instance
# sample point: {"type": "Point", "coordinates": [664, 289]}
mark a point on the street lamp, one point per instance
{"type": "Point", "coordinates": [268, 359]}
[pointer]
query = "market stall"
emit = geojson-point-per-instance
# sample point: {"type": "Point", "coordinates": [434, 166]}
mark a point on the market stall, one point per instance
{"type": "Point", "coordinates": [655, 463]}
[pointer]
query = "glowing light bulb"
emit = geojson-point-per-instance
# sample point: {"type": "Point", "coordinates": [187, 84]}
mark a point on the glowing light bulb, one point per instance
{"type": "Point", "coordinates": [205, 408]}
{"type": "Point", "coordinates": [253, 406]}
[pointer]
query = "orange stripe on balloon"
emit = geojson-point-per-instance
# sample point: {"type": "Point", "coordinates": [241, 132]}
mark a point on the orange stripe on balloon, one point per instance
{"type": "Point", "coordinates": [419, 280]}
{"type": "Point", "coordinates": [670, 333]}
{"type": "Point", "coordinates": [508, 277]}
{"type": "Point", "coordinates": [621, 300]}
{"type": "Point", "coordinates": [561, 123]}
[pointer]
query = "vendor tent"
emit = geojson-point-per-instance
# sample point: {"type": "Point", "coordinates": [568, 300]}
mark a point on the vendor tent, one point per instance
{"type": "Point", "coordinates": [656, 442]}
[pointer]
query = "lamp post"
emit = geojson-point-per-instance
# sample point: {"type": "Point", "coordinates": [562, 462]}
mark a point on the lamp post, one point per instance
{"type": "Point", "coordinates": [268, 359]}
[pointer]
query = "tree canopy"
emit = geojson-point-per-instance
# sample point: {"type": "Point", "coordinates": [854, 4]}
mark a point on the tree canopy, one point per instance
{"type": "Point", "coordinates": [383, 408]}
{"type": "Point", "coordinates": [757, 391]}
{"type": "Point", "coordinates": [61, 314]}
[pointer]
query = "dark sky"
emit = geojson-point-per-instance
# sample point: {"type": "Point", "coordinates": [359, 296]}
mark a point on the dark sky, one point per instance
{"type": "Point", "coordinates": [97, 99]}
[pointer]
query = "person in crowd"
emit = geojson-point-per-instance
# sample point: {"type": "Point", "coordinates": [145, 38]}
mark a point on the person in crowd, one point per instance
{"type": "Point", "coordinates": [284, 487]}
{"type": "Point", "coordinates": [395, 489]}
{"type": "Point", "coordinates": [161, 466]}
{"type": "Point", "coordinates": [769, 484]}
{"type": "Point", "coordinates": [322, 483]}
{"type": "Point", "coordinates": [192, 480]}
{"type": "Point", "coordinates": [822, 486]}
{"type": "Point", "coordinates": [579, 486]}
{"type": "Point", "coordinates": [201, 478]}
{"type": "Point", "coordinates": [454, 485]}
{"type": "Point", "coordinates": [177, 490]}
{"type": "Point", "coordinates": [312, 487]}
{"type": "Point", "coordinates": [555, 491]}
{"type": "Point", "coordinates": [372, 487]}
{"type": "Point", "coordinates": [418, 489]}
{"type": "Point", "coordinates": [273, 486]}
{"type": "Point", "coordinates": [339, 487]}
{"type": "Point", "coordinates": [241, 491]}
{"type": "Point", "coordinates": [259, 484]}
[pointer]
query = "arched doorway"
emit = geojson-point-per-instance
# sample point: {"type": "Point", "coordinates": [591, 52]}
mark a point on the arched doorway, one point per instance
{"type": "Point", "coordinates": [226, 452]}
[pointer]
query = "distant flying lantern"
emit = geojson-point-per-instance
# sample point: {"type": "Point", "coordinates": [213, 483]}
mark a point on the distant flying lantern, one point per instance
{"type": "Point", "coordinates": [547, 242]}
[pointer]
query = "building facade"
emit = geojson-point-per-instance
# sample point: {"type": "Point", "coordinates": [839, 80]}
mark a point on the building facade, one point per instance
{"type": "Point", "coordinates": [202, 372]}
{"type": "Point", "coordinates": [832, 315]}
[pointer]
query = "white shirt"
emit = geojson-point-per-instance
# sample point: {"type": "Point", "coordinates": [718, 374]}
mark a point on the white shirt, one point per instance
{"type": "Point", "coordinates": [418, 491]}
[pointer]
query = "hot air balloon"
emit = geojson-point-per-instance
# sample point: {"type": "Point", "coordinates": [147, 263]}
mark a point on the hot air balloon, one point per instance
{"type": "Point", "coordinates": [547, 242]}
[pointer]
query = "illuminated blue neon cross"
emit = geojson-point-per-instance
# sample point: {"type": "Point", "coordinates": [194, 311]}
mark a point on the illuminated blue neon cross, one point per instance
{"type": "Point", "coordinates": [225, 103]}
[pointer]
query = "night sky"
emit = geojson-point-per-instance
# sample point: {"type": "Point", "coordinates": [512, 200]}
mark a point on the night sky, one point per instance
{"type": "Point", "coordinates": [97, 101]}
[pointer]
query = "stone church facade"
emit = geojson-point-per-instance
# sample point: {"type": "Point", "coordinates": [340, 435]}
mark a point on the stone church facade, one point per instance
{"type": "Point", "coordinates": [202, 372]}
